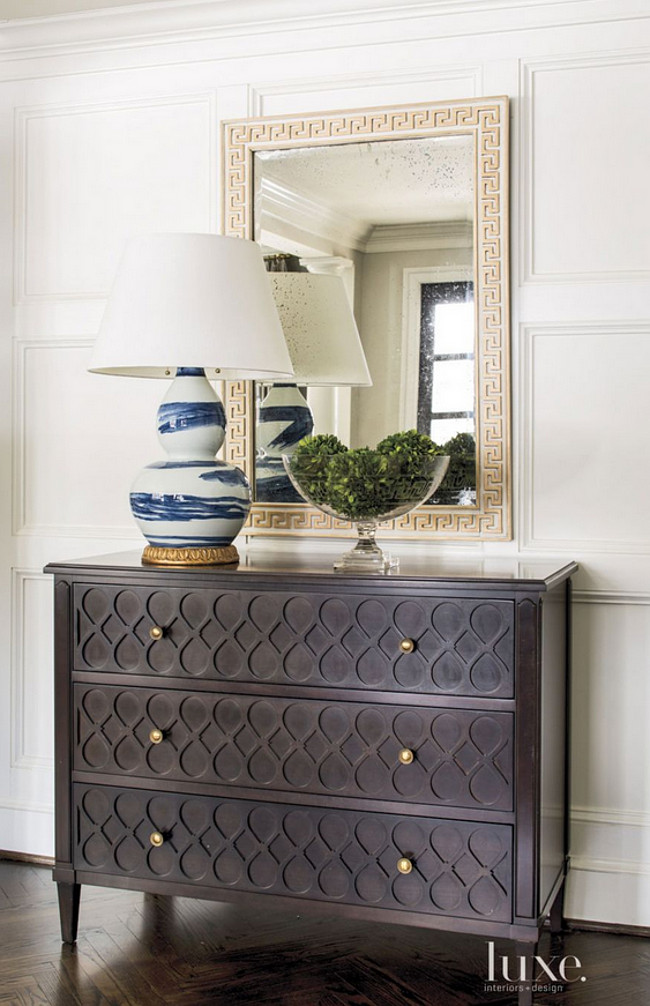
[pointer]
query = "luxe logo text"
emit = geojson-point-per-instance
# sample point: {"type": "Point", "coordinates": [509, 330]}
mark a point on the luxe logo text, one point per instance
{"type": "Point", "coordinates": [556, 971]}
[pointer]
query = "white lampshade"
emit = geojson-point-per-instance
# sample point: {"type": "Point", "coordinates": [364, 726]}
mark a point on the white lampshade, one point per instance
{"type": "Point", "coordinates": [320, 329]}
{"type": "Point", "coordinates": [191, 300]}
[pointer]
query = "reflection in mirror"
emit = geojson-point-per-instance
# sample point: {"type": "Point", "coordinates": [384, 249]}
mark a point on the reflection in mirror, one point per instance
{"type": "Point", "coordinates": [325, 350]}
{"type": "Point", "coordinates": [394, 220]}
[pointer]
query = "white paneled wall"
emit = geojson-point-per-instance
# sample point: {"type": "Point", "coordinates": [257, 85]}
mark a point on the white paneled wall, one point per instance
{"type": "Point", "coordinates": [94, 420]}
{"type": "Point", "coordinates": [572, 373]}
{"type": "Point", "coordinates": [80, 173]}
{"type": "Point", "coordinates": [110, 125]}
{"type": "Point", "coordinates": [573, 160]}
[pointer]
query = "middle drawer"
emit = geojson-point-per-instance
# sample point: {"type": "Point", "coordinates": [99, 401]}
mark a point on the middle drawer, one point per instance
{"type": "Point", "coordinates": [450, 757]}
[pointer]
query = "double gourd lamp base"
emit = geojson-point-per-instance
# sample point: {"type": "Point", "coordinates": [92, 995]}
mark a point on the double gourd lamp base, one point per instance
{"type": "Point", "coordinates": [189, 307]}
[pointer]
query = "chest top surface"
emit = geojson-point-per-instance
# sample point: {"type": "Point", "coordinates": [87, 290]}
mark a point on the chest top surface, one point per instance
{"type": "Point", "coordinates": [292, 567]}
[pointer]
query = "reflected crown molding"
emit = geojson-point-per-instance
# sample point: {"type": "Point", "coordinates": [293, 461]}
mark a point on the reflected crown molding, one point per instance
{"type": "Point", "coordinates": [413, 237]}
{"type": "Point", "coordinates": [304, 214]}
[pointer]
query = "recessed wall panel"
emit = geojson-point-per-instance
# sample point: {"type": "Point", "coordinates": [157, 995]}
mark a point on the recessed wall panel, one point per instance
{"type": "Point", "coordinates": [587, 156]}
{"type": "Point", "coordinates": [383, 89]}
{"type": "Point", "coordinates": [89, 178]}
{"type": "Point", "coordinates": [588, 437]}
{"type": "Point", "coordinates": [32, 707]}
{"type": "Point", "coordinates": [610, 741]}
{"type": "Point", "coordinates": [83, 438]}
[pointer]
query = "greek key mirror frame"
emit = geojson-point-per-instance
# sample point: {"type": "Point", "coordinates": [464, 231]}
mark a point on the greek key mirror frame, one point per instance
{"type": "Point", "coordinates": [487, 120]}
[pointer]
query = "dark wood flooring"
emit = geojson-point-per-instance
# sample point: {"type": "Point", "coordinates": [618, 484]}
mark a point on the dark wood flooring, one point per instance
{"type": "Point", "coordinates": [140, 950]}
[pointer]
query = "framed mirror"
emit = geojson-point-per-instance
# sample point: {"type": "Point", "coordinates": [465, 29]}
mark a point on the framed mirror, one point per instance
{"type": "Point", "coordinates": [408, 207]}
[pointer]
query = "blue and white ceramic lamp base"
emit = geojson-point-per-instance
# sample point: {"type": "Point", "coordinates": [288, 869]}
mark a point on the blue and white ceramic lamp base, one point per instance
{"type": "Point", "coordinates": [191, 506]}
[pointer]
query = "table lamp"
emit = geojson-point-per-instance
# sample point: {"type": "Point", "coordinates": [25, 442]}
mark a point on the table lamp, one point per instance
{"type": "Point", "coordinates": [181, 305]}
{"type": "Point", "coordinates": [325, 350]}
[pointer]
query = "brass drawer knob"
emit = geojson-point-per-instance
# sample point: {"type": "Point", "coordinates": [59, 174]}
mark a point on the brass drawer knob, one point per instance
{"type": "Point", "coordinates": [406, 756]}
{"type": "Point", "coordinates": [156, 632]}
{"type": "Point", "coordinates": [404, 865]}
{"type": "Point", "coordinates": [156, 839]}
{"type": "Point", "coordinates": [407, 646]}
{"type": "Point", "coordinates": [155, 736]}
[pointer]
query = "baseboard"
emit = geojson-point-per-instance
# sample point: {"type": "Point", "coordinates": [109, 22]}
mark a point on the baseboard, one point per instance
{"type": "Point", "coordinates": [615, 928]}
{"type": "Point", "coordinates": [25, 857]}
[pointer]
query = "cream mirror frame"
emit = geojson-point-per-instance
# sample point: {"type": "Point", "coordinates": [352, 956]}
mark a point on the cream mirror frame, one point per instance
{"type": "Point", "coordinates": [486, 121]}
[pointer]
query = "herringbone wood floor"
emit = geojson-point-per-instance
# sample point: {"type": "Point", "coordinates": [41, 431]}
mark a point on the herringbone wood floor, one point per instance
{"type": "Point", "coordinates": [139, 950]}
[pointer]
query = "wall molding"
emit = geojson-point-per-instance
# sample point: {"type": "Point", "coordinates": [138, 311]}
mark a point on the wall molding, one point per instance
{"type": "Point", "coordinates": [28, 827]}
{"type": "Point", "coordinates": [21, 525]}
{"type": "Point", "coordinates": [27, 808]}
{"type": "Point", "coordinates": [594, 596]}
{"type": "Point", "coordinates": [614, 816]}
{"type": "Point", "coordinates": [528, 333]}
{"type": "Point", "coordinates": [82, 531]}
{"type": "Point", "coordinates": [25, 857]}
{"type": "Point", "coordinates": [602, 885]}
{"type": "Point", "coordinates": [151, 34]}
{"type": "Point", "coordinates": [529, 69]}
{"type": "Point", "coordinates": [182, 20]}
{"type": "Point", "coordinates": [25, 115]}
{"type": "Point", "coordinates": [18, 703]}
{"type": "Point", "coordinates": [260, 92]}
{"type": "Point", "coordinates": [584, 864]}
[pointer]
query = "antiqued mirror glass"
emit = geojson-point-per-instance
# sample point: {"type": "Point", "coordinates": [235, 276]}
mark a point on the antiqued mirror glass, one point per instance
{"type": "Point", "coordinates": [394, 219]}
{"type": "Point", "coordinates": [407, 208]}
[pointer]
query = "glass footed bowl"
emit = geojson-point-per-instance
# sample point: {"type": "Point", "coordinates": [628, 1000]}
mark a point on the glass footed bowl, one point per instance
{"type": "Point", "coordinates": [410, 492]}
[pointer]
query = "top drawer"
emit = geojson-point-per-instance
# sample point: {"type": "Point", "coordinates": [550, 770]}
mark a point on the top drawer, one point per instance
{"type": "Point", "coordinates": [461, 645]}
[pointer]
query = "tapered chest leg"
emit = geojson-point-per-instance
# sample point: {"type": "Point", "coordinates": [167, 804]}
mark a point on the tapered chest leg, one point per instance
{"type": "Point", "coordinates": [69, 898]}
{"type": "Point", "coordinates": [556, 915]}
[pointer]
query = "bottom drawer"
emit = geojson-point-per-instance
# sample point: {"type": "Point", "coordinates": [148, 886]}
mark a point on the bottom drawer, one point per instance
{"type": "Point", "coordinates": [459, 868]}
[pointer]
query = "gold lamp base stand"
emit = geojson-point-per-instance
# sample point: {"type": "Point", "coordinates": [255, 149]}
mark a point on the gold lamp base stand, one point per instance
{"type": "Point", "coordinates": [154, 555]}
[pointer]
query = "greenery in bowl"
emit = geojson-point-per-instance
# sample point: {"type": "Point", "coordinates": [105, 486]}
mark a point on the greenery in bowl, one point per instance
{"type": "Point", "coordinates": [462, 462]}
{"type": "Point", "coordinates": [364, 484]}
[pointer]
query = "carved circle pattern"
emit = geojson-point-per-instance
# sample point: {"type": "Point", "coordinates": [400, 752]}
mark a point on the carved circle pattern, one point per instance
{"type": "Point", "coordinates": [461, 757]}
{"type": "Point", "coordinates": [464, 647]}
{"type": "Point", "coordinates": [462, 868]}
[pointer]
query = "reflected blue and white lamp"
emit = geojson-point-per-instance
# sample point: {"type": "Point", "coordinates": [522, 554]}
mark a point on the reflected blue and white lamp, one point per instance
{"type": "Point", "coordinates": [184, 305]}
{"type": "Point", "coordinates": [325, 350]}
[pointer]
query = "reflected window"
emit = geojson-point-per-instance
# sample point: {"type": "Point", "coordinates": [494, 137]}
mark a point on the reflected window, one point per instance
{"type": "Point", "coordinates": [446, 396]}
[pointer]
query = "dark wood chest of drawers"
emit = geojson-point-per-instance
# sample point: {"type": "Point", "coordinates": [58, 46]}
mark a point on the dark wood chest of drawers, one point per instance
{"type": "Point", "coordinates": [387, 747]}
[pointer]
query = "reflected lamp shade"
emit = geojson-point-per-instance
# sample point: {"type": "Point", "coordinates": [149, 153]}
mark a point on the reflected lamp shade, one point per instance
{"type": "Point", "coordinates": [326, 351]}
{"type": "Point", "coordinates": [181, 305]}
{"type": "Point", "coordinates": [321, 333]}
